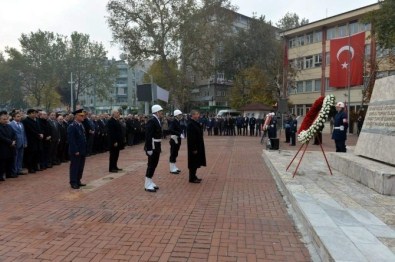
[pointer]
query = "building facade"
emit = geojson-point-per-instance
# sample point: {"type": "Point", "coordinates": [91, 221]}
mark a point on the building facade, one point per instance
{"type": "Point", "coordinates": [307, 60]}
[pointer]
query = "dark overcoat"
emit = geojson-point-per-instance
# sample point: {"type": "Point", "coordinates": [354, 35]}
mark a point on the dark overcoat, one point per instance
{"type": "Point", "coordinates": [7, 136]}
{"type": "Point", "coordinates": [115, 134]}
{"type": "Point", "coordinates": [195, 143]}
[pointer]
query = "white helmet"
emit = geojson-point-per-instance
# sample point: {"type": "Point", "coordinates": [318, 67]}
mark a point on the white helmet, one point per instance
{"type": "Point", "coordinates": [177, 112]}
{"type": "Point", "coordinates": [156, 108]}
{"type": "Point", "coordinates": [340, 104]}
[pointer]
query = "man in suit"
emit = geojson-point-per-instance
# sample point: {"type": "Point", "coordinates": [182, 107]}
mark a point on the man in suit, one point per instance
{"type": "Point", "coordinates": [77, 149]}
{"type": "Point", "coordinates": [153, 135]}
{"type": "Point", "coordinates": [7, 147]}
{"type": "Point", "coordinates": [21, 142]}
{"type": "Point", "coordinates": [175, 140]}
{"type": "Point", "coordinates": [339, 133]}
{"type": "Point", "coordinates": [34, 137]}
{"type": "Point", "coordinates": [115, 140]}
{"type": "Point", "coordinates": [196, 150]}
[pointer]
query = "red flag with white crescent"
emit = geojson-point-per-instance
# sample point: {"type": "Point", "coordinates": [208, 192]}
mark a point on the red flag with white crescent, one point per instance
{"type": "Point", "coordinates": [347, 56]}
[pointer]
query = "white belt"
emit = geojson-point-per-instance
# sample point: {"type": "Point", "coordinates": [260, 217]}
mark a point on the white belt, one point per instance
{"type": "Point", "coordinates": [155, 140]}
{"type": "Point", "coordinates": [338, 127]}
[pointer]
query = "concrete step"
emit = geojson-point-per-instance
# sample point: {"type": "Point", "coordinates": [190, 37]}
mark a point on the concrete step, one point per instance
{"type": "Point", "coordinates": [338, 216]}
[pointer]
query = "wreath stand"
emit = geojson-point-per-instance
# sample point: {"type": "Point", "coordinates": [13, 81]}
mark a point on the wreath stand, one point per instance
{"type": "Point", "coordinates": [307, 144]}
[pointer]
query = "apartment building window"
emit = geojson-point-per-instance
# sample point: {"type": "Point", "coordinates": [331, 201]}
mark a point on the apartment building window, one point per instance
{"type": "Point", "coordinates": [328, 58]}
{"type": "Point", "coordinates": [342, 31]}
{"type": "Point", "coordinates": [299, 110]}
{"type": "Point", "coordinates": [317, 36]}
{"type": "Point", "coordinates": [365, 27]}
{"type": "Point", "coordinates": [309, 38]}
{"type": "Point", "coordinates": [327, 87]}
{"type": "Point", "coordinates": [308, 62]}
{"type": "Point", "coordinates": [353, 27]}
{"type": "Point", "coordinates": [317, 85]}
{"type": "Point", "coordinates": [291, 90]}
{"type": "Point", "coordinates": [300, 40]}
{"type": "Point", "coordinates": [317, 60]}
{"type": "Point", "coordinates": [221, 93]}
{"type": "Point", "coordinates": [309, 85]}
{"type": "Point", "coordinates": [331, 33]}
{"type": "Point", "coordinates": [292, 42]}
{"type": "Point", "coordinates": [299, 87]}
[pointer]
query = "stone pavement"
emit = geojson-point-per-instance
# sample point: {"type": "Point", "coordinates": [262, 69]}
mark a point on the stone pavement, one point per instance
{"type": "Point", "coordinates": [341, 218]}
{"type": "Point", "coordinates": [235, 214]}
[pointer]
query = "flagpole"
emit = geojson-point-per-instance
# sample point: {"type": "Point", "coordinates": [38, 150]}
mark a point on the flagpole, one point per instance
{"type": "Point", "coordinates": [349, 78]}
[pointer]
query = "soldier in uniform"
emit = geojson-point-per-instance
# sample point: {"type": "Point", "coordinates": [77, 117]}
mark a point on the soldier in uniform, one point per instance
{"type": "Point", "coordinates": [293, 129]}
{"type": "Point", "coordinates": [175, 140]}
{"type": "Point", "coordinates": [77, 148]}
{"type": "Point", "coordinates": [153, 135]}
{"type": "Point", "coordinates": [340, 128]}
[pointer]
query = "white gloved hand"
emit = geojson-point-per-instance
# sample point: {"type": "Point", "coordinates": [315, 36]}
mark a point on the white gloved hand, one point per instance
{"type": "Point", "coordinates": [182, 136]}
{"type": "Point", "coordinates": [341, 128]}
{"type": "Point", "coordinates": [150, 152]}
{"type": "Point", "coordinates": [174, 137]}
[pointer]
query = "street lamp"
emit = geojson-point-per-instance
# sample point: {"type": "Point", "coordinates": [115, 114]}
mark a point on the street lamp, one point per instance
{"type": "Point", "coordinates": [71, 92]}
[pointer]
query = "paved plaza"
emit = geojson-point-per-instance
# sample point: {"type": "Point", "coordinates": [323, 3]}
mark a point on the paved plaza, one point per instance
{"type": "Point", "coordinates": [235, 214]}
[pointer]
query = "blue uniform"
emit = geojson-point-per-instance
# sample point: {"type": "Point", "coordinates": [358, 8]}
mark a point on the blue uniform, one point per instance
{"type": "Point", "coordinates": [339, 133]}
{"type": "Point", "coordinates": [77, 144]}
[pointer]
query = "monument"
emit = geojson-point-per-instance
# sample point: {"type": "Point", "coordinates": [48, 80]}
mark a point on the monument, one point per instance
{"type": "Point", "coordinates": [373, 160]}
{"type": "Point", "coordinates": [377, 138]}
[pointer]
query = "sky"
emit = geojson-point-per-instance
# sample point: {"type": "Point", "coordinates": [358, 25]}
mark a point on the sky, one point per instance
{"type": "Point", "coordinates": [19, 17]}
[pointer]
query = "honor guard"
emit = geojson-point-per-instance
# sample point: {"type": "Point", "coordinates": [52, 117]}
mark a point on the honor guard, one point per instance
{"type": "Point", "coordinates": [153, 135]}
{"type": "Point", "coordinates": [175, 140]}
{"type": "Point", "coordinates": [340, 126]}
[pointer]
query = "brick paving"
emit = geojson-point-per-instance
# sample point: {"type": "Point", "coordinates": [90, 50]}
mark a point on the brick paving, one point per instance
{"type": "Point", "coordinates": [235, 214]}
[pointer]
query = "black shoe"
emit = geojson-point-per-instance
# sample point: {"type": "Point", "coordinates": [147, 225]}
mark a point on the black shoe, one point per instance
{"type": "Point", "coordinates": [113, 171]}
{"type": "Point", "coordinates": [11, 176]}
{"type": "Point", "coordinates": [119, 169]}
{"type": "Point", "coordinates": [175, 172]}
{"type": "Point", "coordinates": [82, 184]}
{"type": "Point", "coordinates": [2, 179]}
{"type": "Point", "coordinates": [32, 171]}
{"type": "Point", "coordinates": [75, 186]}
{"type": "Point", "coordinates": [150, 190]}
{"type": "Point", "coordinates": [196, 181]}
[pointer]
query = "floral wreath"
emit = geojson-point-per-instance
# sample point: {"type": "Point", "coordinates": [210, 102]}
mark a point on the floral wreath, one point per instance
{"type": "Point", "coordinates": [315, 118]}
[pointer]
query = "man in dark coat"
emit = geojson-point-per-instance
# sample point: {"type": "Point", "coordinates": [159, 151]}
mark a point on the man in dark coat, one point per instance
{"type": "Point", "coordinates": [339, 133]}
{"type": "Point", "coordinates": [153, 136]}
{"type": "Point", "coordinates": [175, 141]}
{"type": "Point", "coordinates": [77, 149]}
{"type": "Point", "coordinates": [34, 137]}
{"type": "Point", "coordinates": [115, 140]}
{"type": "Point", "coordinates": [7, 147]}
{"type": "Point", "coordinates": [196, 150]}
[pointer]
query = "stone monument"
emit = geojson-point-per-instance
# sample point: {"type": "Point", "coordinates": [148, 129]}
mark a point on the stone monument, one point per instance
{"type": "Point", "coordinates": [377, 137]}
{"type": "Point", "coordinates": [373, 161]}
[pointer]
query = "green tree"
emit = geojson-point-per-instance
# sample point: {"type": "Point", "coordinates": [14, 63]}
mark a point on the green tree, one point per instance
{"type": "Point", "coordinates": [181, 30]}
{"type": "Point", "coordinates": [383, 21]}
{"type": "Point", "coordinates": [92, 74]}
{"type": "Point", "coordinates": [253, 52]}
{"type": "Point", "coordinates": [41, 53]}
{"type": "Point", "coordinates": [252, 85]}
{"type": "Point", "coordinates": [291, 20]}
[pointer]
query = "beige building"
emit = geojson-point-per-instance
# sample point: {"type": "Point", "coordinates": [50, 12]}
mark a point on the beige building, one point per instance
{"type": "Point", "coordinates": [307, 50]}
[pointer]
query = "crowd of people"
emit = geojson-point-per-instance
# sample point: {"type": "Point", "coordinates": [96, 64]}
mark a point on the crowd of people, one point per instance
{"type": "Point", "coordinates": [35, 140]}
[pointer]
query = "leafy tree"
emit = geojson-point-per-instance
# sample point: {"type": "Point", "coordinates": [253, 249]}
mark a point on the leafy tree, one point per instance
{"type": "Point", "coordinates": [181, 30]}
{"type": "Point", "coordinates": [253, 53]}
{"type": "Point", "coordinates": [252, 85]}
{"type": "Point", "coordinates": [291, 20]}
{"type": "Point", "coordinates": [41, 53]}
{"type": "Point", "coordinates": [383, 21]}
{"type": "Point", "coordinates": [91, 74]}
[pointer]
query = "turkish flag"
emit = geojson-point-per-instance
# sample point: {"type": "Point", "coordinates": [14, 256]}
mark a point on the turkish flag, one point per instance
{"type": "Point", "coordinates": [347, 56]}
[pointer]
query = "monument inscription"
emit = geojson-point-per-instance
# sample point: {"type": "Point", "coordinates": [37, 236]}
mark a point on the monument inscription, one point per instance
{"type": "Point", "coordinates": [377, 137]}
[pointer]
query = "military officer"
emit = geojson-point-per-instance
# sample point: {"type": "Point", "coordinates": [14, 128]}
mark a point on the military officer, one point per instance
{"type": "Point", "coordinates": [77, 149]}
{"type": "Point", "coordinates": [153, 135]}
{"type": "Point", "coordinates": [175, 140]}
{"type": "Point", "coordinates": [339, 133]}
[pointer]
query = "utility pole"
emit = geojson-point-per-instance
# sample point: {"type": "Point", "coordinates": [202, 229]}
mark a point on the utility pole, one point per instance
{"type": "Point", "coordinates": [71, 93]}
